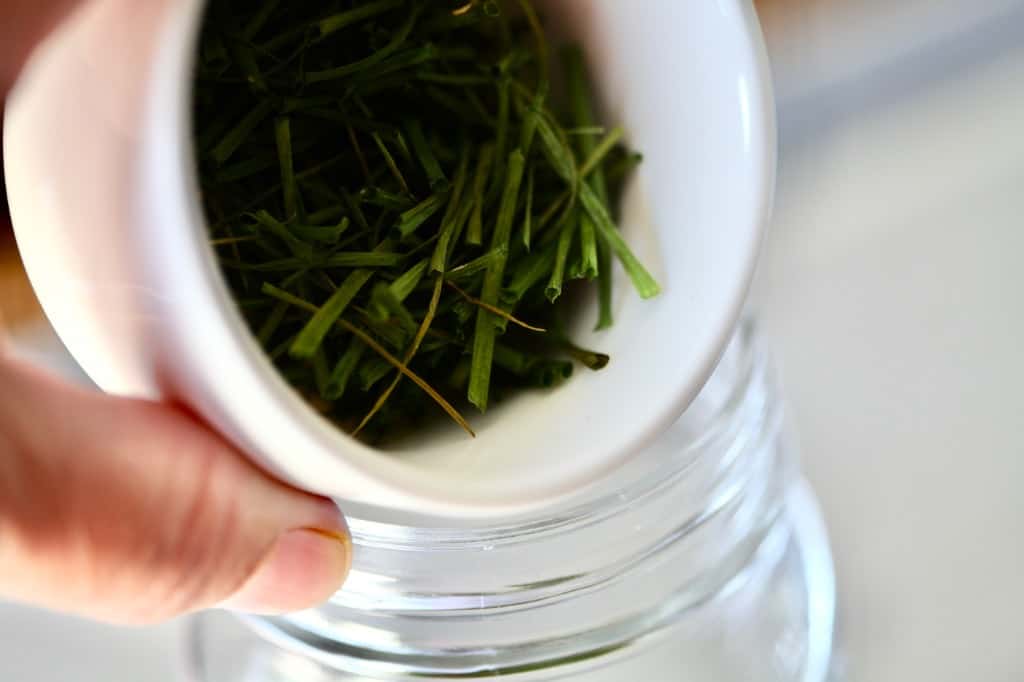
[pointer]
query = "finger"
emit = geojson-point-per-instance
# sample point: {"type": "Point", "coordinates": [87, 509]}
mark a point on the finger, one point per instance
{"type": "Point", "coordinates": [131, 512]}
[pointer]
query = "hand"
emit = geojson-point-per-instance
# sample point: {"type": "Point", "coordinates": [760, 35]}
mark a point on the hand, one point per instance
{"type": "Point", "coordinates": [134, 512]}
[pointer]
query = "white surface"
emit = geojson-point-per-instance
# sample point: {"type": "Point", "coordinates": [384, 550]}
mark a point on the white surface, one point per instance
{"type": "Point", "coordinates": [891, 291]}
{"type": "Point", "coordinates": [818, 44]}
{"type": "Point", "coordinates": [138, 301]}
{"type": "Point", "coordinates": [42, 647]}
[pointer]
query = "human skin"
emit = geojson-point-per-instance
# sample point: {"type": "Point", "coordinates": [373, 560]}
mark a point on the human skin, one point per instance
{"type": "Point", "coordinates": [135, 512]}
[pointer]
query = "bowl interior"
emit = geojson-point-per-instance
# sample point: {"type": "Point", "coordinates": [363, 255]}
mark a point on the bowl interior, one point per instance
{"type": "Point", "coordinates": [687, 79]}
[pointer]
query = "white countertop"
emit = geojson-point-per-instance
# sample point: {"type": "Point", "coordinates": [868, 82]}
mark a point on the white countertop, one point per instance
{"type": "Point", "coordinates": [891, 291]}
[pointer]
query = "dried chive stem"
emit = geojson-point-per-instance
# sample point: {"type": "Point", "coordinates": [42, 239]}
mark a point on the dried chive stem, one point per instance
{"type": "Point", "coordinates": [393, 187]}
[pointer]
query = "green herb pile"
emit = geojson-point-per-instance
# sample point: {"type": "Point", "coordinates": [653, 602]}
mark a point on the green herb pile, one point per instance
{"type": "Point", "coordinates": [398, 201]}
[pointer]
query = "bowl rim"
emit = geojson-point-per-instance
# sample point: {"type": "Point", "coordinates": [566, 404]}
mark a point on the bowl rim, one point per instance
{"type": "Point", "coordinates": [367, 472]}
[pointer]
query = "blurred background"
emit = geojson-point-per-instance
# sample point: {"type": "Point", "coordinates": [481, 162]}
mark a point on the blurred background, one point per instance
{"type": "Point", "coordinates": [891, 291]}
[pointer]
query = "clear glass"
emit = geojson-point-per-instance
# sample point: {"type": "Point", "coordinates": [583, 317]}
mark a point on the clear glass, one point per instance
{"type": "Point", "coordinates": [706, 562]}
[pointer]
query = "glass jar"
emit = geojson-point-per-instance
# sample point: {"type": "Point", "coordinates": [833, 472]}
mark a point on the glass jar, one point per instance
{"type": "Point", "coordinates": [711, 565]}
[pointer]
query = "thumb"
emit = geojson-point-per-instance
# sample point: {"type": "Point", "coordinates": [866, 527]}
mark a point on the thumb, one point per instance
{"type": "Point", "coordinates": [132, 512]}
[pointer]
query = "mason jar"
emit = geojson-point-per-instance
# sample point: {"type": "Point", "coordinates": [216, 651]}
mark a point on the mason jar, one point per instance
{"type": "Point", "coordinates": [709, 565]}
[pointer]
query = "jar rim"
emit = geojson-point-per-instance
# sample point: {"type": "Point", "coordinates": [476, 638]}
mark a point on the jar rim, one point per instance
{"type": "Point", "coordinates": [749, 355]}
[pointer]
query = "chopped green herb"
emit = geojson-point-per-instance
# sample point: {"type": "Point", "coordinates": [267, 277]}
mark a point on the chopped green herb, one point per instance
{"type": "Point", "coordinates": [396, 190]}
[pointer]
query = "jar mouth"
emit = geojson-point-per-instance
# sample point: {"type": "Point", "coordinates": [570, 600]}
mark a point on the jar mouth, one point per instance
{"type": "Point", "coordinates": [326, 640]}
{"type": "Point", "coordinates": [783, 610]}
{"type": "Point", "coordinates": [718, 427]}
{"type": "Point", "coordinates": [699, 548]}
{"type": "Point", "coordinates": [588, 584]}
{"type": "Point", "coordinates": [712, 505]}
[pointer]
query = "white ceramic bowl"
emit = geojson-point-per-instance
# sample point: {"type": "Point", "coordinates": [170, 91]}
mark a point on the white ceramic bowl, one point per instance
{"type": "Point", "coordinates": [103, 194]}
